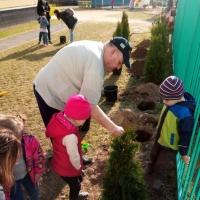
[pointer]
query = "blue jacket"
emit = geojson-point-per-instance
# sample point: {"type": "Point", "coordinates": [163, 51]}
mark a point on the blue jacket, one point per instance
{"type": "Point", "coordinates": [43, 22]}
{"type": "Point", "coordinates": [178, 125]}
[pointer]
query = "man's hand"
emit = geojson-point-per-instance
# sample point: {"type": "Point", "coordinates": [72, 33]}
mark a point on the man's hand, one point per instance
{"type": "Point", "coordinates": [117, 131]}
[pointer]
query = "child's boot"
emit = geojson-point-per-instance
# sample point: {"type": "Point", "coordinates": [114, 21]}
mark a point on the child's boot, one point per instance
{"type": "Point", "coordinates": [83, 195]}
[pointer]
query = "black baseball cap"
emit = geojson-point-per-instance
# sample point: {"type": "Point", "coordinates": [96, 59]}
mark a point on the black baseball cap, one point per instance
{"type": "Point", "coordinates": [125, 47]}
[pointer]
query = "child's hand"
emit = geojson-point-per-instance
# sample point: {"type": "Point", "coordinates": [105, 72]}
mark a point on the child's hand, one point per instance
{"type": "Point", "coordinates": [38, 179]}
{"type": "Point", "coordinates": [185, 159]}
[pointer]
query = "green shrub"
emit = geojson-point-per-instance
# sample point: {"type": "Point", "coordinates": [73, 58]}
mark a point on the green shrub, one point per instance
{"type": "Point", "coordinates": [161, 29]}
{"type": "Point", "coordinates": [118, 31]}
{"type": "Point", "coordinates": [123, 179]}
{"type": "Point", "coordinates": [157, 56]}
{"type": "Point", "coordinates": [123, 27]}
{"type": "Point", "coordinates": [155, 61]}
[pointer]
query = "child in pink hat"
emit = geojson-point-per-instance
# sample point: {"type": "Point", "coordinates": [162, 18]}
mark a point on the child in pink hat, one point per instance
{"type": "Point", "coordinates": [64, 133]}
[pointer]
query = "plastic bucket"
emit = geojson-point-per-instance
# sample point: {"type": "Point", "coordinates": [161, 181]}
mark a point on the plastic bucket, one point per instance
{"type": "Point", "coordinates": [62, 39]}
{"type": "Point", "coordinates": [110, 92]}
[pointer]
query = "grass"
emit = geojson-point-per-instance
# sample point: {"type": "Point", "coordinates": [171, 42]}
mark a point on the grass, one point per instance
{"type": "Point", "coordinates": [22, 28]}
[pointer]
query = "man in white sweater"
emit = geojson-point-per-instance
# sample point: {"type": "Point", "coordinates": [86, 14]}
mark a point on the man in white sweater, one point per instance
{"type": "Point", "coordinates": [78, 68]}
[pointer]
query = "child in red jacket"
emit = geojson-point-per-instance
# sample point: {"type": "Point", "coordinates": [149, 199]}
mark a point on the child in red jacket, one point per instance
{"type": "Point", "coordinates": [63, 129]}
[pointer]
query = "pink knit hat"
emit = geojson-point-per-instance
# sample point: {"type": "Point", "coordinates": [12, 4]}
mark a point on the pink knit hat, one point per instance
{"type": "Point", "coordinates": [78, 107]}
{"type": "Point", "coordinates": [172, 88]}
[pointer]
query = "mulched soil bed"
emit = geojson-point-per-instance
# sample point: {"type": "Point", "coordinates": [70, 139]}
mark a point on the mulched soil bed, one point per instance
{"type": "Point", "coordinates": [139, 53]}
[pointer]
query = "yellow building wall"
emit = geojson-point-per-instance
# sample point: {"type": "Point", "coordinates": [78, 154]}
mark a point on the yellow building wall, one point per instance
{"type": "Point", "coordinates": [16, 3]}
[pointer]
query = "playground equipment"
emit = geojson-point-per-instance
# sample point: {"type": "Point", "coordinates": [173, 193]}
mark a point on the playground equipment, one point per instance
{"type": "Point", "coordinates": [141, 3]}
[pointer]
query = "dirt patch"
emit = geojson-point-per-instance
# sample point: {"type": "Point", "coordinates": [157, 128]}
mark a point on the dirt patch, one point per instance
{"type": "Point", "coordinates": [146, 91]}
{"type": "Point", "coordinates": [137, 68]}
{"type": "Point", "coordinates": [145, 43]}
{"type": "Point", "coordinates": [139, 53]}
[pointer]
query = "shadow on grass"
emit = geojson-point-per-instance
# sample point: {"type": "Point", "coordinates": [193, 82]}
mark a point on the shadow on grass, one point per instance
{"type": "Point", "coordinates": [37, 57]}
{"type": "Point", "coordinates": [31, 53]}
{"type": "Point", "coordinates": [52, 181]}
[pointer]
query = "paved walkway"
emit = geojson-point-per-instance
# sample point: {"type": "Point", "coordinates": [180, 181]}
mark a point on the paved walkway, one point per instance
{"type": "Point", "coordinates": [26, 37]}
{"type": "Point", "coordinates": [83, 15]}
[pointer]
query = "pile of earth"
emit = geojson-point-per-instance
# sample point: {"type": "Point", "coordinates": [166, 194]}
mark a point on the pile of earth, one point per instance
{"type": "Point", "coordinates": [139, 55]}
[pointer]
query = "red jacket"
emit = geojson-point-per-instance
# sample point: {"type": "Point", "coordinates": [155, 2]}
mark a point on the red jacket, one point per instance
{"type": "Point", "coordinates": [60, 160]}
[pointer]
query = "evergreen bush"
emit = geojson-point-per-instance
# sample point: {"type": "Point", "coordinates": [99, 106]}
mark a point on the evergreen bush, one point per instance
{"type": "Point", "coordinates": [123, 27]}
{"type": "Point", "coordinates": [154, 69]}
{"type": "Point", "coordinates": [123, 178]}
{"type": "Point", "coordinates": [118, 31]}
{"type": "Point", "coordinates": [157, 56]}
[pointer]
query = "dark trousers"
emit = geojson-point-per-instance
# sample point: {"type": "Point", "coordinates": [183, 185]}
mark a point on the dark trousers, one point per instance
{"type": "Point", "coordinates": [16, 192]}
{"type": "Point", "coordinates": [48, 28]}
{"type": "Point", "coordinates": [160, 160]}
{"type": "Point", "coordinates": [45, 110]}
{"type": "Point", "coordinates": [74, 185]}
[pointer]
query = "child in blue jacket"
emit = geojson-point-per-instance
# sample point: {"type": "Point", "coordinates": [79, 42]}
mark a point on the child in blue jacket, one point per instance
{"type": "Point", "coordinates": [174, 128]}
{"type": "Point", "coordinates": [43, 29]}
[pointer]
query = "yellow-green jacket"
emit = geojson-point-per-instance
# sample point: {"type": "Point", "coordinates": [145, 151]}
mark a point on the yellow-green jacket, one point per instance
{"type": "Point", "coordinates": [178, 125]}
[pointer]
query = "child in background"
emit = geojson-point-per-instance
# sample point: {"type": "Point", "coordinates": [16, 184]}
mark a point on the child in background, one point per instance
{"type": "Point", "coordinates": [10, 149]}
{"type": "Point", "coordinates": [174, 128]}
{"type": "Point", "coordinates": [43, 28]}
{"type": "Point", "coordinates": [63, 129]}
{"type": "Point", "coordinates": [30, 165]}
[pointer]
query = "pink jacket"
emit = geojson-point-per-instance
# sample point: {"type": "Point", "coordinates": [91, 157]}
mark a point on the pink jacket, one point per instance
{"type": "Point", "coordinates": [33, 155]}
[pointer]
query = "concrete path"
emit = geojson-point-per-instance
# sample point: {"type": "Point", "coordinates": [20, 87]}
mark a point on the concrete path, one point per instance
{"type": "Point", "coordinates": [83, 15]}
{"type": "Point", "coordinates": [26, 37]}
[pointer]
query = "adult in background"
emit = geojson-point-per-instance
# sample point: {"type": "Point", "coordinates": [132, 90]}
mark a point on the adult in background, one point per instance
{"type": "Point", "coordinates": [42, 7]}
{"type": "Point", "coordinates": [78, 68]}
{"type": "Point", "coordinates": [69, 19]}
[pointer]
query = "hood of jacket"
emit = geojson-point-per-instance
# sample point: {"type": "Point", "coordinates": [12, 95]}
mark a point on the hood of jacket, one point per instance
{"type": "Point", "coordinates": [57, 129]}
{"type": "Point", "coordinates": [189, 102]}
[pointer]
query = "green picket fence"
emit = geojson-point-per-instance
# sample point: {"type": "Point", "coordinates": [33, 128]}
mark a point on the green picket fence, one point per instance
{"type": "Point", "coordinates": [186, 61]}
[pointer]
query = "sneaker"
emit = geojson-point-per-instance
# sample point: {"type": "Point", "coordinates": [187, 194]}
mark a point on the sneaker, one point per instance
{"type": "Point", "coordinates": [83, 195]}
{"type": "Point", "coordinates": [39, 42]}
{"type": "Point", "coordinates": [157, 184]}
{"type": "Point", "coordinates": [87, 161]}
{"type": "Point", "coordinates": [50, 42]}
